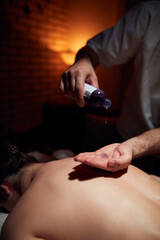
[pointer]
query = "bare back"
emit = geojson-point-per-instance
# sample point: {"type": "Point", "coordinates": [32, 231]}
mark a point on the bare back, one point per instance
{"type": "Point", "coordinates": [70, 201]}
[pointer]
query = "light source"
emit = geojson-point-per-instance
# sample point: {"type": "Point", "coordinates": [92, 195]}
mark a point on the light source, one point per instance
{"type": "Point", "coordinates": [68, 57]}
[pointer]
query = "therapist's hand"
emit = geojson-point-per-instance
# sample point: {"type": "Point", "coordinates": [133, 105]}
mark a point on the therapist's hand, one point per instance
{"type": "Point", "coordinates": [73, 79]}
{"type": "Point", "coordinates": [113, 157]}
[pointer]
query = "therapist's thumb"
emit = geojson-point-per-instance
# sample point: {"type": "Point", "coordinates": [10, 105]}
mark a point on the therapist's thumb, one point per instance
{"type": "Point", "coordinates": [118, 164]}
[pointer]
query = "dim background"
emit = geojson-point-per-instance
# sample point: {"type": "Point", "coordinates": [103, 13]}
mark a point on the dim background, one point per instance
{"type": "Point", "coordinates": [38, 41]}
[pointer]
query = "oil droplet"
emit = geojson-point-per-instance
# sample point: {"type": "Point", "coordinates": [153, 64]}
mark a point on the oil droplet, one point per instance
{"type": "Point", "coordinates": [105, 121]}
{"type": "Point", "coordinates": [104, 155]}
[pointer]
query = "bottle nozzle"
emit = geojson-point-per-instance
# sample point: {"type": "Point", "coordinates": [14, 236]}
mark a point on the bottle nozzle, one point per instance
{"type": "Point", "coordinates": [106, 103]}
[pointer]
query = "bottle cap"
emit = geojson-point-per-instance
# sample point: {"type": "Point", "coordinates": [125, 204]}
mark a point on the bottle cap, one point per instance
{"type": "Point", "coordinates": [106, 103]}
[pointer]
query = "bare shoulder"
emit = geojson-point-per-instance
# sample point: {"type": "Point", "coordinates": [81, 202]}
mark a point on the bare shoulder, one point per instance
{"type": "Point", "coordinates": [35, 203]}
{"type": "Point", "coordinates": [62, 165]}
{"type": "Point", "coordinates": [10, 235]}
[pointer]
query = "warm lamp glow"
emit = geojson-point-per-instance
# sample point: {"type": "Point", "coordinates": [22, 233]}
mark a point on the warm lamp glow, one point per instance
{"type": "Point", "coordinates": [75, 44]}
{"type": "Point", "coordinates": [101, 15]}
{"type": "Point", "coordinates": [68, 57]}
{"type": "Point", "coordinates": [57, 46]}
{"type": "Point", "coordinates": [67, 52]}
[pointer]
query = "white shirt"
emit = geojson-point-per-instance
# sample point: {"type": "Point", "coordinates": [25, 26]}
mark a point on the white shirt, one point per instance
{"type": "Point", "coordinates": [137, 34]}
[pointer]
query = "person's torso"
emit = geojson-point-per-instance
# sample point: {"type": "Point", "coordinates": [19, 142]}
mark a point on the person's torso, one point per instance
{"type": "Point", "coordinates": [72, 201]}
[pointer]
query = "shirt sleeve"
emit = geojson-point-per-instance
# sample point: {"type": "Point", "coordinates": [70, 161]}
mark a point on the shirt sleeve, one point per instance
{"type": "Point", "coordinates": [119, 43]}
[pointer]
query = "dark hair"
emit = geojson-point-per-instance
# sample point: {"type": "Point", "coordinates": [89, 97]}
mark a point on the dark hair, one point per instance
{"type": "Point", "coordinates": [11, 161]}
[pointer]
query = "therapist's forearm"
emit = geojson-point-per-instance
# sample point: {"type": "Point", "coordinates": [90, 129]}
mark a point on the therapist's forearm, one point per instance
{"type": "Point", "coordinates": [145, 144]}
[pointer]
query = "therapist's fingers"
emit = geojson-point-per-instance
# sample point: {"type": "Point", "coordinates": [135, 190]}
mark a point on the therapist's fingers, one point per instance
{"type": "Point", "coordinates": [64, 83]}
{"type": "Point", "coordinates": [92, 159]}
{"type": "Point", "coordinates": [67, 85]}
{"type": "Point", "coordinates": [61, 83]}
{"type": "Point", "coordinates": [72, 85]}
{"type": "Point", "coordinates": [79, 88]}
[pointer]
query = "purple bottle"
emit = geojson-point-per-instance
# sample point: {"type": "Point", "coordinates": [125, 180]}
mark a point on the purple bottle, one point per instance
{"type": "Point", "coordinates": [96, 97]}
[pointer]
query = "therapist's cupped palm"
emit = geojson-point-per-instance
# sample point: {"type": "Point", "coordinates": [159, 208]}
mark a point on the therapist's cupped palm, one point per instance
{"type": "Point", "coordinates": [112, 157]}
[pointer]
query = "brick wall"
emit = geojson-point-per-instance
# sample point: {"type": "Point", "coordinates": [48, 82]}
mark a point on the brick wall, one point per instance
{"type": "Point", "coordinates": [32, 34]}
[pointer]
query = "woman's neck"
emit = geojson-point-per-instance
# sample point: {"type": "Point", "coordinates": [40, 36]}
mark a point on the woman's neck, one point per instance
{"type": "Point", "coordinates": [19, 183]}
